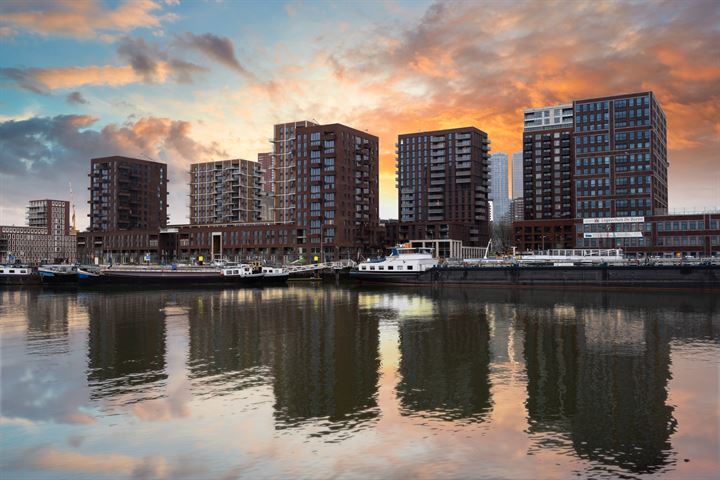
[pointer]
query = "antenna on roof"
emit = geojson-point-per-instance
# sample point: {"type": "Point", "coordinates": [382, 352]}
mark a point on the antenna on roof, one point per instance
{"type": "Point", "coordinates": [148, 157]}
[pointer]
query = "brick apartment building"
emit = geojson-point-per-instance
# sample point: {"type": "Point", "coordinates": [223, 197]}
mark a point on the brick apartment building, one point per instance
{"type": "Point", "coordinates": [548, 155]}
{"type": "Point", "coordinates": [328, 176]}
{"type": "Point", "coordinates": [696, 234]}
{"type": "Point", "coordinates": [601, 158]}
{"type": "Point", "coordinates": [442, 180]}
{"type": "Point", "coordinates": [225, 191]}
{"type": "Point", "coordinates": [127, 194]}
{"type": "Point", "coordinates": [48, 237]}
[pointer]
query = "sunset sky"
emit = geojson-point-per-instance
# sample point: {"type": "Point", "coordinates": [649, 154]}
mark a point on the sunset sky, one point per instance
{"type": "Point", "coordinates": [186, 81]}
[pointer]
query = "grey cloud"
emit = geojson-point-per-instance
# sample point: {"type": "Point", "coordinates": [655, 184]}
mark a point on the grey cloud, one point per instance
{"type": "Point", "coordinates": [220, 49]}
{"type": "Point", "coordinates": [76, 98]}
{"type": "Point", "coordinates": [25, 78]}
{"type": "Point", "coordinates": [146, 60]}
{"type": "Point", "coordinates": [39, 155]}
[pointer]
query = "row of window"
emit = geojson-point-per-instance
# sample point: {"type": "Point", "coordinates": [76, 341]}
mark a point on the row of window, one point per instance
{"type": "Point", "coordinates": [390, 267]}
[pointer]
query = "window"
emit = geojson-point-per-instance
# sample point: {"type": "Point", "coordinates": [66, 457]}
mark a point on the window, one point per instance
{"type": "Point", "coordinates": [409, 267]}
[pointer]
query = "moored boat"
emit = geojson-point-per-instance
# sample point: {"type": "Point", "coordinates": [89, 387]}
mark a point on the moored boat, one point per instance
{"type": "Point", "coordinates": [275, 274]}
{"type": "Point", "coordinates": [58, 274]}
{"type": "Point", "coordinates": [17, 275]}
{"type": "Point", "coordinates": [403, 265]}
{"type": "Point", "coordinates": [170, 276]}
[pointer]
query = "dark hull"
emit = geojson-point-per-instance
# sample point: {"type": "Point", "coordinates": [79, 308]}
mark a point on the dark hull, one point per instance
{"type": "Point", "coordinates": [275, 280]}
{"type": "Point", "coordinates": [59, 279]}
{"type": "Point", "coordinates": [33, 279]}
{"type": "Point", "coordinates": [696, 276]}
{"type": "Point", "coordinates": [165, 279]}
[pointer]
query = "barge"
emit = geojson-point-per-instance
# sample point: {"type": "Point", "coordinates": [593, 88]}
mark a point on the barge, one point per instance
{"type": "Point", "coordinates": [408, 266]}
{"type": "Point", "coordinates": [172, 276]}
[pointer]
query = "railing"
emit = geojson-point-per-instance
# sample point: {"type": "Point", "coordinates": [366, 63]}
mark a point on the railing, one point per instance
{"type": "Point", "coordinates": [339, 265]}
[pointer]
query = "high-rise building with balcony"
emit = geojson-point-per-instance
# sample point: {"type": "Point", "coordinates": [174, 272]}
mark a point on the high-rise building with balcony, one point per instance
{"type": "Point", "coordinates": [127, 194]}
{"type": "Point", "coordinates": [442, 179]}
{"type": "Point", "coordinates": [548, 162]}
{"type": "Point", "coordinates": [284, 172]}
{"type": "Point", "coordinates": [621, 164]}
{"type": "Point", "coordinates": [499, 184]}
{"type": "Point", "coordinates": [51, 214]}
{"type": "Point", "coordinates": [225, 191]}
{"type": "Point", "coordinates": [265, 161]}
{"type": "Point", "coordinates": [47, 237]}
{"type": "Point", "coordinates": [517, 176]}
{"type": "Point", "coordinates": [336, 188]}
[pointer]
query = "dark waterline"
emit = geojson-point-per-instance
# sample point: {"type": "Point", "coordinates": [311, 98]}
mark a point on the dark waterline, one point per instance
{"type": "Point", "coordinates": [319, 381]}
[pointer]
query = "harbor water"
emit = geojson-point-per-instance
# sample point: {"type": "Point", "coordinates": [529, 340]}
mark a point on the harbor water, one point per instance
{"type": "Point", "coordinates": [358, 382]}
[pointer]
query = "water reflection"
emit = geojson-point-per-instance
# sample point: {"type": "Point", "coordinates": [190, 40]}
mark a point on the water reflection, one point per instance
{"type": "Point", "coordinates": [126, 343]}
{"type": "Point", "coordinates": [444, 364]}
{"type": "Point", "coordinates": [326, 363]}
{"type": "Point", "coordinates": [313, 346]}
{"type": "Point", "coordinates": [230, 343]}
{"type": "Point", "coordinates": [326, 381]}
{"type": "Point", "coordinates": [601, 379]}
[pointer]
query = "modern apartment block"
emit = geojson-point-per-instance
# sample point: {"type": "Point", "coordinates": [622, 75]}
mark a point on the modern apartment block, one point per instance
{"type": "Point", "coordinates": [265, 161]}
{"type": "Point", "coordinates": [620, 156]}
{"type": "Point", "coordinates": [284, 169]}
{"type": "Point", "coordinates": [127, 194]}
{"type": "Point", "coordinates": [517, 209]}
{"type": "Point", "coordinates": [225, 191]}
{"type": "Point", "coordinates": [46, 238]}
{"type": "Point", "coordinates": [326, 180]}
{"type": "Point", "coordinates": [548, 162]}
{"type": "Point", "coordinates": [499, 183]}
{"type": "Point", "coordinates": [442, 180]}
{"type": "Point", "coordinates": [51, 214]}
{"type": "Point", "coordinates": [336, 188]}
{"type": "Point", "coordinates": [517, 176]}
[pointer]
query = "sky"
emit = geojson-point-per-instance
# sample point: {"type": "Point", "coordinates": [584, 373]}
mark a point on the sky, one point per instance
{"type": "Point", "coordinates": [186, 81]}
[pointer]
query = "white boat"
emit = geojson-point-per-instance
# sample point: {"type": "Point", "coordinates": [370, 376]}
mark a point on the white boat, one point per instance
{"type": "Point", "coordinates": [275, 274]}
{"type": "Point", "coordinates": [242, 271]}
{"type": "Point", "coordinates": [404, 263]}
{"type": "Point", "coordinates": [15, 274]}
{"type": "Point", "coordinates": [62, 273]}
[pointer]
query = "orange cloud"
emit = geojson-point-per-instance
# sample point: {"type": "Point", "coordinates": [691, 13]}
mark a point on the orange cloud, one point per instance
{"type": "Point", "coordinates": [86, 18]}
{"type": "Point", "coordinates": [73, 77]}
{"type": "Point", "coordinates": [498, 61]}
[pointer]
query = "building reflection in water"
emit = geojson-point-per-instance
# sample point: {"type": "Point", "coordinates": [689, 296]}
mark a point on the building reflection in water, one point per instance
{"type": "Point", "coordinates": [313, 346]}
{"type": "Point", "coordinates": [48, 321]}
{"type": "Point", "coordinates": [598, 378]}
{"type": "Point", "coordinates": [126, 343]}
{"type": "Point", "coordinates": [229, 342]}
{"type": "Point", "coordinates": [444, 363]}
{"type": "Point", "coordinates": [326, 361]}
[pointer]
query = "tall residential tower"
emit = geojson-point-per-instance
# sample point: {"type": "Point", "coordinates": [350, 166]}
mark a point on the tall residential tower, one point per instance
{"type": "Point", "coordinates": [548, 162]}
{"type": "Point", "coordinates": [225, 191]}
{"type": "Point", "coordinates": [499, 184]}
{"type": "Point", "coordinates": [620, 156]}
{"type": "Point", "coordinates": [127, 194]}
{"type": "Point", "coordinates": [442, 179]}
